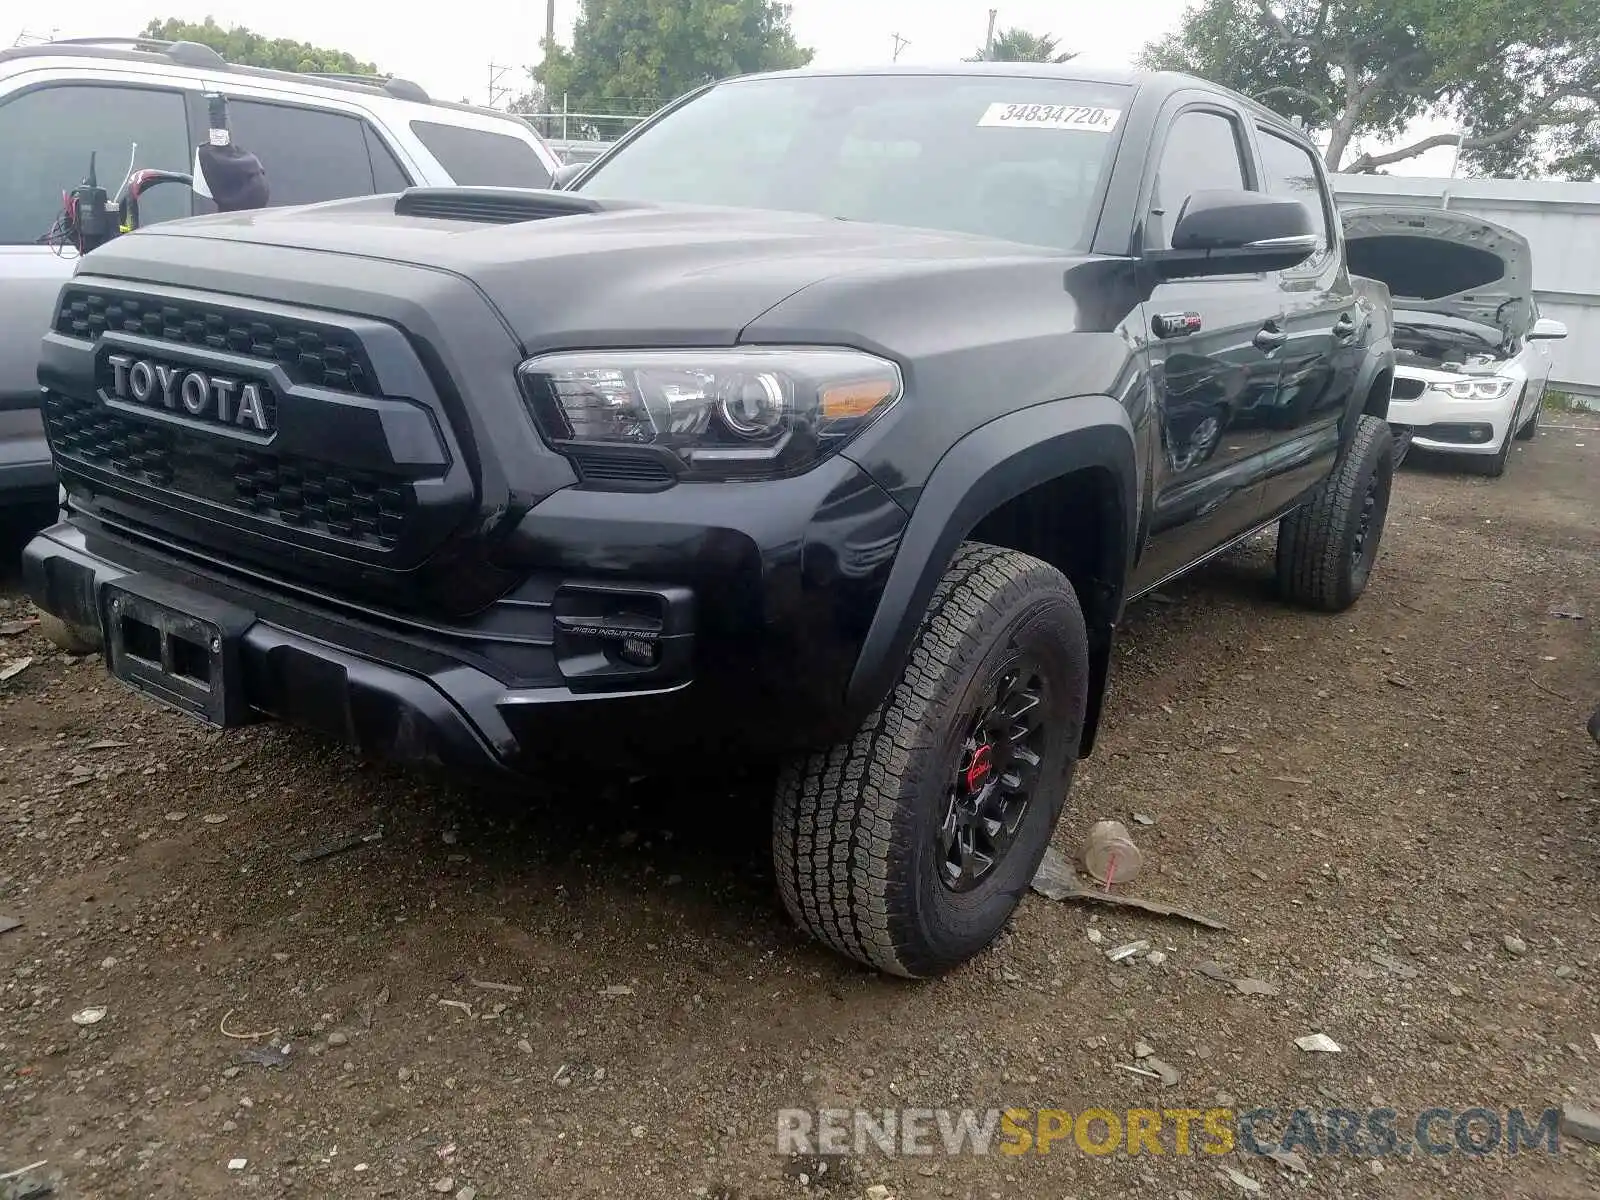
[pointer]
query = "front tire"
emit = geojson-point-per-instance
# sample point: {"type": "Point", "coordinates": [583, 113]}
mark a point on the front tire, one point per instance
{"type": "Point", "coordinates": [74, 639]}
{"type": "Point", "coordinates": [1327, 546]}
{"type": "Point", "coordinates": [909, 847]}
{"type": "Point", "coordinates": [1492, 466]}
{"type": "Point", "coordinates": [1531, 429]}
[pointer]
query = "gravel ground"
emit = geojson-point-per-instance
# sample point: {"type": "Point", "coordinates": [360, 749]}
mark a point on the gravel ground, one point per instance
{"type": "Point", "coordinates": [1410, 779]}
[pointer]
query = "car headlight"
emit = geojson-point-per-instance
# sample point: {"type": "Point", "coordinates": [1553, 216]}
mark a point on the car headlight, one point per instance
{"type": "Point", "coordinates": [1488, 388]}
{"type": "Point", "coordinates": [753, 411]}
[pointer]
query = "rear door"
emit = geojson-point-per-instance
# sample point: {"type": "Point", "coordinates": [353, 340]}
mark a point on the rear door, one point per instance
{"type": "Point", "coordinates": [1322, 359]}
{"type": "Point", "coordinates": [51, 121]}
{"type": "Point", "coordinates": [1214, 356]}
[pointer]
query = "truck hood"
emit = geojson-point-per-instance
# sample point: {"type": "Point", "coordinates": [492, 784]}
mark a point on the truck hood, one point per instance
{"type": "Point", "coordinates": [667, 274]}
{"type": "Point", "coordinates": [1438, 261]}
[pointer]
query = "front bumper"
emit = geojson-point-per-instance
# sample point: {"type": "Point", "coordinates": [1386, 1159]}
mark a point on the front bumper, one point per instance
{"type": "Point", "coordinates": [760, 627]}
{"type": "Point", "coordinates": [414, 711]}
{"type": "Point", "coordinates": [1441, 424]}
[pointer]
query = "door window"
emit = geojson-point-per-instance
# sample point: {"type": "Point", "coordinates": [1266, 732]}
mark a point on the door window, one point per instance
{"type": "Point", "coordinates": [47, 135]}
{"type": "Point", "coordinates": [478, 158]}
{"type": "Point", "coordinates": [1289, 170]}
{"type": "Point", "coordinates": [1201, 154]}
{"type": "Point", "coordinates": [309, 154]}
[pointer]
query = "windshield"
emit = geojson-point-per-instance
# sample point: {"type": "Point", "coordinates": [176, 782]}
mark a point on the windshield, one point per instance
{"type": "Point", "coordinates": [1015, 158]}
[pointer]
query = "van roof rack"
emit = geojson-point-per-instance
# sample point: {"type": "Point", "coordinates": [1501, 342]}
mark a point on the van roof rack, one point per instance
{"type": "Point", "coordinates": [196, 54]}
{"type": "Point", "coordinates": [400, 89]}
{"type": "Point", "coordinates": [189, 54]}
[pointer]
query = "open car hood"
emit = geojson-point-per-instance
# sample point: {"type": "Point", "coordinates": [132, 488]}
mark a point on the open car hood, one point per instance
{"type": "Point", "coordinates": [1438, 261]}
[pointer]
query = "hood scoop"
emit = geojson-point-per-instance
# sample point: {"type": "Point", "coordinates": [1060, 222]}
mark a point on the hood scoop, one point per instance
{"type": "Point", "coordinates": [491, 205]}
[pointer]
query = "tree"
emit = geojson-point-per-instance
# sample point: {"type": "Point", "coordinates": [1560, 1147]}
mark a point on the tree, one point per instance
{"type": "Point", "coordinates": [239, 45]}
{"type": "Point", "coordinates": [1018, 45]}
{"type": "Point", "coordinates": [529, 101]}
{"type": "Point", "coordinates": [1520, 79]}
{"type": "Point", "coordinates": [630, 56]}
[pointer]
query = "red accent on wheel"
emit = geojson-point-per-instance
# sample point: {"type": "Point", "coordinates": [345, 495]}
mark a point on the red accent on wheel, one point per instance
{"type": "Point", "coordinates": [978, 772]}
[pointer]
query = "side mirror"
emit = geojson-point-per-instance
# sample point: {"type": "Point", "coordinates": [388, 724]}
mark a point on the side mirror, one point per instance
{"type": "Point", "coordinates": [565, 174]}
{"type": "Point", "coordinates": [1546, 330]}
{"type": "Point", "coordinates": [1228, 232]}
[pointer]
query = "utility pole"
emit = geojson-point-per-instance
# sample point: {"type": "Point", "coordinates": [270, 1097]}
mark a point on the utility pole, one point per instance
{"type": "Point", "coordinates": [900, 44]}
{"type": "Point", "coordinates": [988, 39]}
{"type": "Point", "coordinates": [549, 27]}
{"type": "Point", "coordinates": [497, 90]}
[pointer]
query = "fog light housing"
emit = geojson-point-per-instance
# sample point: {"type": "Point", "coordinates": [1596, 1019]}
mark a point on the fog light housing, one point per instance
{"type": "Point", "coordinates": [607, 635]}
{"type": "Point", "coordinates": [638, 652]}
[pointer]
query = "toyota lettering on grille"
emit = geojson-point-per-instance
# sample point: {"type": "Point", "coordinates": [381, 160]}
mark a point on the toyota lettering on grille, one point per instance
{"type": "Point", "coordinates": [216, 398]}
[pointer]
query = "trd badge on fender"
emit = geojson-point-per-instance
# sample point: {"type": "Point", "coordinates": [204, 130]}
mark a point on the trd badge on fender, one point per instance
{"type": "Point", "coordinates": [211, 397]}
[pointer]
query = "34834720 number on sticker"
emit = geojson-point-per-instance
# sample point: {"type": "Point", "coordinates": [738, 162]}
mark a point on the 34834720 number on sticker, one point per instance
{"type": "Point", "coordinates": [1050, 116]}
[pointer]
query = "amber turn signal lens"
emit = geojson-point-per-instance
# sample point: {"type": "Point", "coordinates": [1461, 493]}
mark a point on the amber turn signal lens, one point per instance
{"type": "Point", "coordinates": [846, 401]}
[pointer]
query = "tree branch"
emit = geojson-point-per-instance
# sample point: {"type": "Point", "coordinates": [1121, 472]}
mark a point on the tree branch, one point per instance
{"type": "Point", "coordinates": [1280, 27]}
{"type": "Point", "coordinates": [1391, 70]}
{"type": "Point", "coordinates": [1319, 102]}
{"type": "Point", "coordinates": [1368, 163]}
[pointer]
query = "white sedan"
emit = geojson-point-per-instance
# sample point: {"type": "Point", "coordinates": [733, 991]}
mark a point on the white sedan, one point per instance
{"type": "Point", "coordinates": [1472, 354]}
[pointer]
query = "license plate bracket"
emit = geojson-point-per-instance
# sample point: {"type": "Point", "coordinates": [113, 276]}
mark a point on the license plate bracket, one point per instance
{"type": "Point", "coordinates": [178, 646]}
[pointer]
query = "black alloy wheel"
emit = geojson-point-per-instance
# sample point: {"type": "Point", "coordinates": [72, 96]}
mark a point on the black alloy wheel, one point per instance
{"type": "Point", "coordinates": [994, 779]}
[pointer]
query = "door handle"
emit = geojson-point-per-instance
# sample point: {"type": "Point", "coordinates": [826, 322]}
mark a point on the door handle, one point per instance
{"type": "Point", "coordinates": [1269, 338]}
{"type": "Point", "coordinates": [1344, 329]}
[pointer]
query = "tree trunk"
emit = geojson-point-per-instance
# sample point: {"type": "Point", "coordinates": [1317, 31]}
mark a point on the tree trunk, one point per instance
{"type": "Point", "coordinates": [1339, 139]}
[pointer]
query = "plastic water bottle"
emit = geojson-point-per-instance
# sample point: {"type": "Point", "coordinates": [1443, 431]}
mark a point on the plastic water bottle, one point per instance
{"type": "Point", "coordinates": [1109, 854]}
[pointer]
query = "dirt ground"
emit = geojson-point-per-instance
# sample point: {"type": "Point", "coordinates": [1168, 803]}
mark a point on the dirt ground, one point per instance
{"type": "Point", "coordinates": [1412, 779]}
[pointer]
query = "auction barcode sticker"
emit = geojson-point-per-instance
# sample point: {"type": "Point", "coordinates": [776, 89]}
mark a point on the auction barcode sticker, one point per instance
{"type": "Point", "coordinates": [1051, 116]}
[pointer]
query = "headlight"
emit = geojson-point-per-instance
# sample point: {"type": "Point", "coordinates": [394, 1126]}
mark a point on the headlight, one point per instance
{"type": "Point", "coordinates": [1487, 388]}
{"type": "Point", "coordinates": [742, 412]}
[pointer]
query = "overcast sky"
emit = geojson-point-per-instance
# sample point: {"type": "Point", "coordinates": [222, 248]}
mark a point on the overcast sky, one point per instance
{"type": "Point", "coordinates": [450, 57]}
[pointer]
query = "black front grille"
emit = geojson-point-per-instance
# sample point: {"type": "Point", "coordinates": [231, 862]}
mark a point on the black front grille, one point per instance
{"type": "Point", "coordinates": [317, 355]}
{"type": "Point", "coordinates": [356, 506]}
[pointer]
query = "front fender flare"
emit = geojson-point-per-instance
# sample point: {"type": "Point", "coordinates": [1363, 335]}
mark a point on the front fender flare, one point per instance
{"type": "Point", "coordinates": [995, 463]}
{"type": "Point", "coordinates": [1380, 358]}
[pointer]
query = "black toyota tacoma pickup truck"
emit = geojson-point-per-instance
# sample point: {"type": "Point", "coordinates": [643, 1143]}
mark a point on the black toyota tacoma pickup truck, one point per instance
{"type": "Point", "coordinates": [830, 419]}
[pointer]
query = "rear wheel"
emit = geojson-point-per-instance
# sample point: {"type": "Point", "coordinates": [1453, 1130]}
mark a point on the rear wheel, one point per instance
{"type": "Point", "coordinates": [909, 847]}
{"type": "Point", "coordinates": [1327, 546]}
